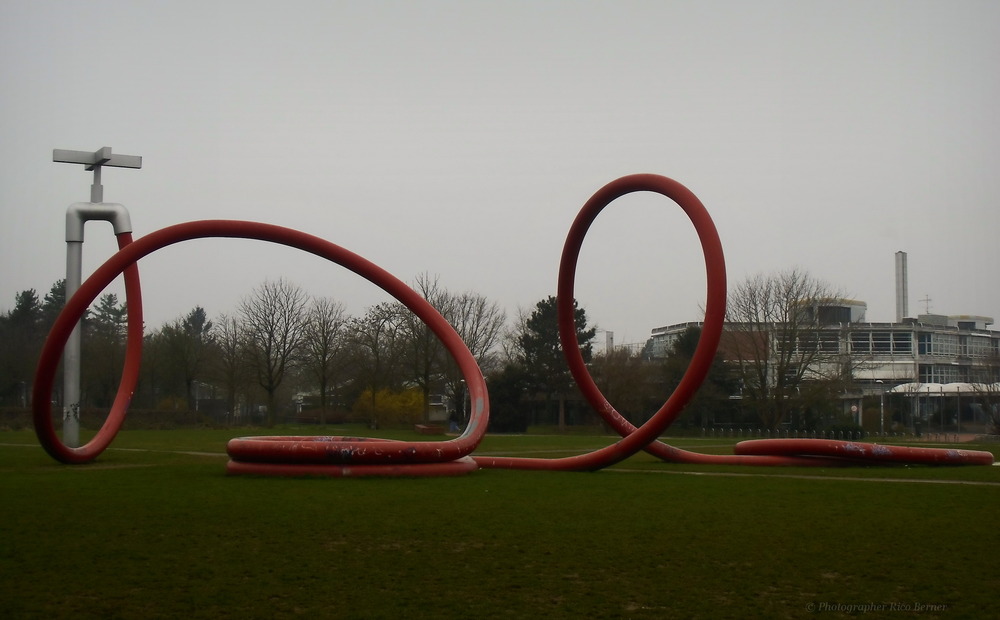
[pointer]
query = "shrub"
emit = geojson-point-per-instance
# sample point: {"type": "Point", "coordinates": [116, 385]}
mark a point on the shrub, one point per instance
{"type": "Point", "coordinates": [391, 408]}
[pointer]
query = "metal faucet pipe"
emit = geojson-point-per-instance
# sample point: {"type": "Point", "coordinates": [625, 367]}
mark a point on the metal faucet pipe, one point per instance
{"type": "Point", "coordinates": [77, 215]}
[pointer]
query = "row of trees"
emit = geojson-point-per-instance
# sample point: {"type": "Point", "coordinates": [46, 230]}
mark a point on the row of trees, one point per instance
{"type": "Point", "coordinates": [280, 341]}
{"type": "Point", "coordinates": [281, 344]}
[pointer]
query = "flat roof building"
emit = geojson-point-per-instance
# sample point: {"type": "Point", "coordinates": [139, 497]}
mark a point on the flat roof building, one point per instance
{"type": "Point", "coordinates": [927, 349]}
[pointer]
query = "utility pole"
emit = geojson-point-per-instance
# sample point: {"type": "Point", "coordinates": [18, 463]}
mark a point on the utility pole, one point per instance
{"type": "Point", "coordinates": [76, 216]}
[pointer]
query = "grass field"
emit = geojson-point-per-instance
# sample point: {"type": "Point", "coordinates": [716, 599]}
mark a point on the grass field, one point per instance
{"type": "Point", "coordinates": [154, 529]}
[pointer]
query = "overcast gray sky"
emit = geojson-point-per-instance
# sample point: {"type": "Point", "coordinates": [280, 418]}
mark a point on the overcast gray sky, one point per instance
{"type": "Point", "coordinates": [461, 138]}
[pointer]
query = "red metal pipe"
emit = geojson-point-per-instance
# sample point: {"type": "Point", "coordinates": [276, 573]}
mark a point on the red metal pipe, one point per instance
{"type": "Point", "coordinates": [41, 395]}
{"type": "Point", "coordinates": [353, 456]}
{"type": "Point", "coordinates": [338, 452]}
{"type": "Point", "coordinates": [457, 467]}
{"type": "Point", "coordinates": [634, 439]}
{"type": "Point", "coordinates": [764, 452]}
{"type": "Point", "coordinates": [865, 453]}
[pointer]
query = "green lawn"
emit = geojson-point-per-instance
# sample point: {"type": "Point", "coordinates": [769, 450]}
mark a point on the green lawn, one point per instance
{"type": "Point", "coordinates": [154, 529]}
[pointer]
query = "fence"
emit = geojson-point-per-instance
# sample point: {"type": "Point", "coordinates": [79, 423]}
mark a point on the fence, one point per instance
{"type": "Point", "coordinates": [784, 433]}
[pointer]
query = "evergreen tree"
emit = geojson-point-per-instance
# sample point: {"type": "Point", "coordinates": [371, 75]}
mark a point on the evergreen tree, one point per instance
{"type": "Point", "coordinates": [541, 350]}
{"type": "Point", "coordinates": [22, 336]}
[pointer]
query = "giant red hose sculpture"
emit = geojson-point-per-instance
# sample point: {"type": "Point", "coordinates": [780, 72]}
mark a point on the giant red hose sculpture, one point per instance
{"type": "Point", "coordinates": [352, 456]}
{"type": "Point", "coordinates": [333, 456]}
{"type": "Point", "coordinates": [762, 452]}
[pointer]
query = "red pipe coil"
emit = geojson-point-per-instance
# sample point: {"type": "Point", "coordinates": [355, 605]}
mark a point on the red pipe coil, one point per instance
{"type": "Point", "coordinates": [865, 453]}
{"type": "Point", "coordinates": [353, 456]}
{"type": "Point", "coordinates": [762, 452]}
{"type": "Point", "coordinates": [335, 456]}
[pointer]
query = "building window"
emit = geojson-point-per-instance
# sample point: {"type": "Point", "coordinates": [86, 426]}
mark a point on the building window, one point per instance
{"type": "Point", "coordinates": [829, 343]}
{"type": "Point", "coordinates": [882, 342]}
{"type": "Point", "coordinates": [979, 346]}
{"type": "Point", "coordinates": [860, 342]}
{"type": "Point", "coordinates": [945, 344]}
{"type": "Point", "coordinates": [885, 342]}
{"type": "Point", "coordinates": [833, 315]}
{"type": "Point", "coordinates": [937, 344]}
{"type": "Point", "coordinates": [807, 343]}
{"type": "Point", "coordinates": [902, 342]}
{"type": "Point", "coordinates": [924, 344]}
{"type": "Point", "coordinates": [939, 373]}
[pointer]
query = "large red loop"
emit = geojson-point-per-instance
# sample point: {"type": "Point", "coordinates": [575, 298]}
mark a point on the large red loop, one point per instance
{"type": "Point", "coordinates": [341, 451]}
{"type": "Point", "coordinates": [41, 394]}
{"type": "Point", "coordinates": [764, 452]}
{"type": "Point", "coordinates": [715, 311]}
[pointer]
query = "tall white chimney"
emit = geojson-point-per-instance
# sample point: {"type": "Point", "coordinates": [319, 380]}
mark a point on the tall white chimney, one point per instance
{"type": "Point", "coordinates": [902, 288]}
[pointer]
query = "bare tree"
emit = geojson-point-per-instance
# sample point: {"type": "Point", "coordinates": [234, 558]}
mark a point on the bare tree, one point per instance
{"type": "Point", "coordinates": [509, 345]}
{"type": "Point", "coordinates": [425, 355]}
{"type": "Point", "coordinates": [152, 370]}
{"type": "Point", "coordinates": [274, 320]}
{"type": "Point", "coordinates": [378, 337]}
{"type": "Point", "coordinates": [324, 347]}
{"type": "Point", "coordinates": [480, 322]}
{"type": "Point", "coordinates": [987, 391]}
{"type": "Point", "coordinates": [230, 366]}
{"type": "Point", "coordinates": [783, 360]}
{"type": "Point", "coordinates": [627, 381]}
{"type": "Point", "coordinates": [189, 344]}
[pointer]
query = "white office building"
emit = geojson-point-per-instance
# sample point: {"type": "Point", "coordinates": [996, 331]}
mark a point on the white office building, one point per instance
{"type": "Point", "coordinates": [934, 355]}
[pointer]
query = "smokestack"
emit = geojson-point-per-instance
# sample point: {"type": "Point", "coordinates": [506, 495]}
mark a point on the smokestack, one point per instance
{"type": "Point", "coordinates": [902, 288]}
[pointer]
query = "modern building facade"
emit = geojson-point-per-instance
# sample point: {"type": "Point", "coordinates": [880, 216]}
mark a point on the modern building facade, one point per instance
{"type": "Point", "coordinates": [928, 349]}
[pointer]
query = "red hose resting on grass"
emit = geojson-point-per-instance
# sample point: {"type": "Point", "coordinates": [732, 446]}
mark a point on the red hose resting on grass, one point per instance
{"type": "Point", "coordinates": [351, 456]}
{"type": "Point", "coordinates": [865, 453]}
{"type": "Point", "coordinates": [762, 452]}
{"type": "Point", "coordinates": [333, 456]}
